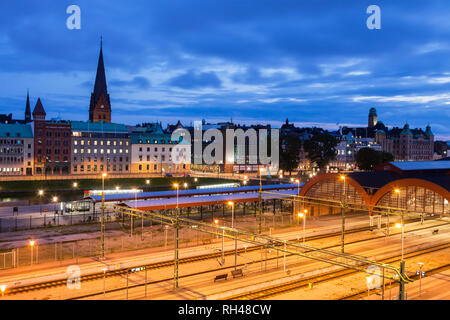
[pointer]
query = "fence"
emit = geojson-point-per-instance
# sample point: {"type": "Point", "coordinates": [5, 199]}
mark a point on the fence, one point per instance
{"type": "Point", "coordinates": [153, 236]}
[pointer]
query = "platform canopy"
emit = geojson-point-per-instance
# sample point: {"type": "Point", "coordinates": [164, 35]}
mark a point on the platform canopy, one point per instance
{"type": "Point", "coordinates": [189, 202]}
{"type": "Point", "coordinates": [188, 192]}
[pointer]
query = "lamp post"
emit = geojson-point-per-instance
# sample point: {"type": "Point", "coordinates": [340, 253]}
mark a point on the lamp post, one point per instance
{"type": "Point", "coordinates": [102, 222]}
{"type": "Point", "coordinates": [175, 284]}
{"type": "Point", "coordinates": [41, 193]}
{"type": "Point", "coordinates": [298, 186]}
{"type": "Point", "coordinates": [260, 200]}
{"type": "Point", "coordinates": [303, 216]}
{"type": "Point", "coordinates": [231, 203]}
{"type": "Point", "coordinates": [402, 289]}
{"type": "Point", "coordinates": [55, 199]}
{"type": "Point", "coordinates": [3, 289]}
{"type": "Point", "coordinates": [420, 278]}
{"type": "Point", "coordinates": [75, 185]}
{"type": "Point", "coordinates": [31, 243]}
{"type": "Point", "coordinates": [402, 226]}
{"type": "Point", "coordinates": [343, 214]}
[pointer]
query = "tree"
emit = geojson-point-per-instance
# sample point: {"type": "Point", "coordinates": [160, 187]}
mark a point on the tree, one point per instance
{"type": "Point", "coordinates": [368, 158]}
{"type": "Point", "coordinates": [386, 157]}
{"type": "Point", "coordinates": [290, 153]}
{"type": "Point", "coordinates": [321, 149]}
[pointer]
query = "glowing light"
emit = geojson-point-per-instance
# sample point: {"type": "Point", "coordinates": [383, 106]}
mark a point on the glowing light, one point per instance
{"type": "Point", "coordinates": [398, 225]}
{"type": "Point", "coordinates": [342, 177]}
{"type": "Point", "coordinates": [216, 221]}
{"type": "Point", "coordinates": [3, 288]}
{"type": "Point", "coordinates": [104, 174]}
{"type": "Point", "coordinates": [176, 185]}
{"type": "Point", "coordinates": [117, 187]}
{"type": "Point", "coordinates": [185, 185]}
{"type": "Point", "coordinates": [55, 199]}
{"type": "Point", "coordinates": [230, 203]}
{"type": "Point", "coordinates": [147, 181]}
{"type": "Point", "coordinates": [397, 190]}
{"type": "Point", "coordinates": [32, 242]}
{"type": "Point", "coordinates": [75, 184]}
{"type": "Point", "coordinates": [301, 215]}
{"type": "Point", "coordinates": [41, 192]}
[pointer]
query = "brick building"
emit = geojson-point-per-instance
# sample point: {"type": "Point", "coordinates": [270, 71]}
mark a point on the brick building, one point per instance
{"type": "Point", "coordinates": [52, 140]}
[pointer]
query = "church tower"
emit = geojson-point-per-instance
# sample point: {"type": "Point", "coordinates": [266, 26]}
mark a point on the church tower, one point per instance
{"type": "Point", "coordinates": [28, 109]}
{"type": "Point", "coordinates": [100, 106]}
{"type": "Point", "coordinates": [373, 118]}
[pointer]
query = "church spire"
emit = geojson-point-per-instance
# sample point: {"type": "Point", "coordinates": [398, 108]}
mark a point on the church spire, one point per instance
{"type": "Point", "coordinates": [28, 109]}
{"type": "Point", "coordinates": [100, 79]}
{"type": "Point", "coordinates": [100, 106]}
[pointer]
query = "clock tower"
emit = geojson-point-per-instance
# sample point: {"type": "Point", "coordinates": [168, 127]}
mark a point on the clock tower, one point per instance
{"type": "Point", "coordinates": [100, 106]}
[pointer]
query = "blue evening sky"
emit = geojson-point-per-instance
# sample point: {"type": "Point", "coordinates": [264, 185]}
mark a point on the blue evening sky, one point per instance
{"type": "Point", "coordinates": [314, 62]}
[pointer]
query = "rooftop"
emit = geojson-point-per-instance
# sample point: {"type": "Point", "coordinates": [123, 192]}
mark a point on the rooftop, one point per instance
{"type": "Point", "coordinates": [15, 131]}
{"type": "Point", "coordinates": [88, 126]}
{"type": "Point", "coordinates": [421, 165]}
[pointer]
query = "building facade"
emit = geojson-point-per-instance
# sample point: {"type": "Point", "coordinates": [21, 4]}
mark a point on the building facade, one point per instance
{"type": "Point", "coordinates": [100, 147]}
{"type": "Point", "coordinates": [153, 151]}
{"type": "Point", "coordinates": [52, 139]}
{"type": "Point", "coordinates": [16, 149]}
{"type": "Point", "coordinates": [407, 144]}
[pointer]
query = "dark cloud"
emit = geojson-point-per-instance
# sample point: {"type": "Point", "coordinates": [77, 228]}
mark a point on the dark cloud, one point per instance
{"type": "Point", "coordinates": [403, 68]}
{"type": "Point", "coordinates": [195, 80]}
{"type": "Point", "coordinates": [136, 83]}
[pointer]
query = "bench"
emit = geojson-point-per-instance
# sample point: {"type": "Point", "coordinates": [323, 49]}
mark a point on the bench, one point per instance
{"type": "Point", "coordinates": [237, 273]}
{"type": "Point", "coordinates": [221, 277]}
{"type": "Point", "coordinates": [435, 231]}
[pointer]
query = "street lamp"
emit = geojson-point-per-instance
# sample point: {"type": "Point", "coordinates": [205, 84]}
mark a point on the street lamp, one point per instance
{"type": "Point", "coordinates": [147, 181]}
{"type": "Point", "coordinates": [31, 243]}
{"type": "Point", "coordinates": [402, 226]}
{"type": "Point", "coordinates": [117, 188]}
{"type": "Point", "coordinates": [132, 220]}
{"type": "Point", "coordinates": [185, 185]}
{"type": "Point", "coordinates": [3, 289]}
{"type": "Point", "coordinates": [75, 184]}
{"type": "Point", "coordinates": [102, 224]}
{"type": "Point", "coordinates": [175, 284]}
{"type": "Point", "coordinates": [231, 203]}
{"type": "Point", "coordinates": [195, 179]}
{"type": "Point", "coordinates": [298, 186]}
{"type": "Point", "coordinates": [41, 193]}
{"type": "Point", "coordinates": [302, 215]}
{"type": "Point", "coordinates": [342, 177]}
{"type": "Point", "coordinates": [55, 199]}
{"type": "Point", "coordinates": [260, 200]}
{"type": "Point", "coordinates": [420, 278]}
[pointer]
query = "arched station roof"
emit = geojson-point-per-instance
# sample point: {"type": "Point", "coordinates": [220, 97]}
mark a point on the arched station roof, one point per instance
{"type": "Point", "coordinates": [372, 186]}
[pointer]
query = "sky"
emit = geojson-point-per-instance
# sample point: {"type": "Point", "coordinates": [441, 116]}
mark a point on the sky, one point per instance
{"type": "Point", "coordinates": [313, 62]}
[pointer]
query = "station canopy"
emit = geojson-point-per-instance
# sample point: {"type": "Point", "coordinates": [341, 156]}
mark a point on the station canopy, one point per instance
{"type": "Point", "coordinates": [188, 192]}
{"type": "Point", "coordinates": [189, 202]}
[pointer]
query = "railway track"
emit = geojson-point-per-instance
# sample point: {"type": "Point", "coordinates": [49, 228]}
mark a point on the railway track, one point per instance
{"type": "Point", "coordinates": [363, 293]}
{"type": "Point", "coordinates": [123, 271]}
{"type": "Point", "coordinates": [303, 283]}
